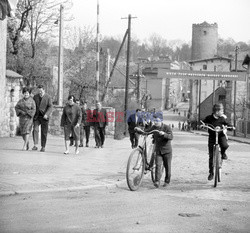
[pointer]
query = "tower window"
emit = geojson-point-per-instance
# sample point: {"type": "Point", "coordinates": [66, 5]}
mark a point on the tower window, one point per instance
{"type": "Point", "coordinates": [205, 32]}
{"type": "Point", "coordinates": [204, 67]}
{"type": "Point", "coordinates": [222, 97]}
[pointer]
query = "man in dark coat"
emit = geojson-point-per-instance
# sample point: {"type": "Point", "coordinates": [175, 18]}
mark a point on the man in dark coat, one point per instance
{"type": "Point", "coordinates": [100, 123]}
{"type": "Point", "coordinates": [43, 110]}
{"type": "Point", "coordinates": [163, 149]}
{"type": "Point", "coordinates": [134, 120]}
{"type": "Point", "coordinates": [85, 126]}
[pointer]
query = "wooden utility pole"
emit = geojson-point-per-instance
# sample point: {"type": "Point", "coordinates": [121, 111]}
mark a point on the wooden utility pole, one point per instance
{"type": "Point", "coordinates": [247, 62]}
{"type": "Point", "coordinates": [127, 73]}
{"type": "Point", "coordinates": [138, 84]}
{"type": "Point", "coordinates": [114, 66]}
{"type": "Point", "coordinates": [60, 60]}
{"type": "Point", "coordinates": [97, 55]}
{"type": "Point", "coordinates": [199, 113]}
{"type": "Point", "coordinates": [213, 100]}
{"type": "Point", "coordinates": [236, 61]}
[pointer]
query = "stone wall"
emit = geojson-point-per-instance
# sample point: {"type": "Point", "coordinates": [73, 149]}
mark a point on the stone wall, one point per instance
{"type": "Point", "coordinates": [3, 109]}
{"type": "Point", "coordinates": [12, 95]}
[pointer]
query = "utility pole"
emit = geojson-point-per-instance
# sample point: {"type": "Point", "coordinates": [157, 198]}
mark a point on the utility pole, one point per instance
{"type": "Point", "coordinates": [97, 55]}
{"type": "Point", "coordinates": [199, 113]}
{"type": "Point", "coordinates": [247, 62]}
{"type": "Point", "coordinates": [127, 72]}
{"type": "Point", "coordinates": [213, 101]}
{"type": "Point", "coordinates": [236, 61]}
{"type": "Point", "coordinates": [60, 60]}
{"type": "Point", "coordinates": [138, 84]}
{"type": "Point", "coordinates": [114, 66]}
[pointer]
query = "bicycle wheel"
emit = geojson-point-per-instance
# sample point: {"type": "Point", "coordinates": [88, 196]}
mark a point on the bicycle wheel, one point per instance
{"type": "Point", "coordinates": [135, 169]}
{"type": "Point", "coordinates": [216, 165]}
{"type": "Point", "coordinates": [220, 167]}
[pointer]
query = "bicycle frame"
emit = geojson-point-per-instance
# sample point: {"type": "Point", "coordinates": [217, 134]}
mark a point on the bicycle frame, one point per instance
{"type": "Point", "coordinates": [217, 161]}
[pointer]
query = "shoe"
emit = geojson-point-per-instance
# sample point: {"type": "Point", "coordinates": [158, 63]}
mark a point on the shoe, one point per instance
{"type": "Point", "coordinates": [211, 176]}
{"type": "Point", "coordinates": [87, 145]}
{"type": "Point", "coordinates": [165, 184]}
{"type": "Point", "coordinates": [81, 145]}
{"type": "Point", "coordinates": [77, 152]}
{"type": "Point", "coordinates": [224, 156]}
{"type": "Point", "coordinates": [66, 152]}
{"type": "Point", "coordinates": [157, 184]}
{"type": "Point", "coordinates": [71, 144]}
{"type": "Point", "coordinates": [34, 148]}
{"type": "Point", "coordinates": [42, 149]}
{"type": "Point", "coordinates": [97, 146]}
{"type": "Point", "coordinates": [27, 146]}
{"type": "Point", "coordinates": [101, 146]}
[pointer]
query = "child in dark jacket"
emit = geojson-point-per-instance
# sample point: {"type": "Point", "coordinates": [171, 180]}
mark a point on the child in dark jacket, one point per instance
{"type": "Point", "coordinates": [163, 150]}
{"type": "Point", "coordinates": [217, 118]}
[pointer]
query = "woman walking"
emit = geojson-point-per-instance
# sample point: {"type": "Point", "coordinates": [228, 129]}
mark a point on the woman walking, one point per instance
{"type": "Point", "coordinates": [25, 110]}
{"type": "Point", "coordinates": [70, 121]}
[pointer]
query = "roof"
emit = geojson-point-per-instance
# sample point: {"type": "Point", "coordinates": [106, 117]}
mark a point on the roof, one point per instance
{"type": "Point", "coordinates": [12, 74]}
{"type": "Point", "coordinates": [211, 59]}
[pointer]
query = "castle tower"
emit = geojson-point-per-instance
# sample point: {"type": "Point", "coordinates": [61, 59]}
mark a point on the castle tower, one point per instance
{"type": "Point", "coordinates": [204, 40]}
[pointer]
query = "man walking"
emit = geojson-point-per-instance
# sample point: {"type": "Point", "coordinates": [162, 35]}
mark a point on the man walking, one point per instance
{"type": "Point", "coordinates": [85, 126]}
{"type": "Point", "coordinates": [133, 121]}
{"type": "Point", "coordinates": [100, 122]}
{"type": "Point", "coordinates": [43, 110]}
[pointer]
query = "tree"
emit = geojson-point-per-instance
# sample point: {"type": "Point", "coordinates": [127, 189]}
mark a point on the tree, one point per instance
{"type": "Point", "coordinates": [35, 19]}
{"type": "Point", "coordinates": [80, 66]}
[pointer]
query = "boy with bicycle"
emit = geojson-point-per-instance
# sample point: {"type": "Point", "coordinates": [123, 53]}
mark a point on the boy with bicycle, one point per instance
{"type": "Point", "coordinates": [163, 149]}
{"type": "Point", "coordinates": [217, 118]}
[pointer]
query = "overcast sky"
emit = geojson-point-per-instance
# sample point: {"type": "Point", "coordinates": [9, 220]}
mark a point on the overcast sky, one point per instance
{"type": "Point", "coordinates": [172, 19]}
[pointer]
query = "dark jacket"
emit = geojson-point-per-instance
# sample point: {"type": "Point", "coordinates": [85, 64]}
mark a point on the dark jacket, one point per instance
{"type": "Point", "coordinates": [162, 142]}
{"type": "Point", "coordinates": [100, 118]}
{"type": "Point", "coordinates": [211, 120]}
{"type": "Point", "coordinates": [132, 124]}
{"type": "Point", "coordinates": [87, 117]}
{"type": "Point", "coordinates": [72, 115]}
{"type": "Point", "coordinates": [44, 107]}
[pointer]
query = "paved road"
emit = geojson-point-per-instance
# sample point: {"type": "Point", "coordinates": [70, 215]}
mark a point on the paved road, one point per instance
{"type": "Point", "coordinates": [189, 204]}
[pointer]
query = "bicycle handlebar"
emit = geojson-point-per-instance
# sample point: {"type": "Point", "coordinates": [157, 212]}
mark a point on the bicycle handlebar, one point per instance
{"type": "Point", "coordinates": [216, 129]}
{"type": "Point", "coordinates": [139, 130]}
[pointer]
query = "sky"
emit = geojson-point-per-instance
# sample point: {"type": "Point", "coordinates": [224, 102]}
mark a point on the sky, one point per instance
{"type": "Point", "coordinates": [171, 19]}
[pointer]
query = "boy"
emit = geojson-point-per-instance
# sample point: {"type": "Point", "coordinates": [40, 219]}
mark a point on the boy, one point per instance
{"type": "Point", "coordinates": [217, 118]}
{"type": "Point", "coordinates": [163, 149]}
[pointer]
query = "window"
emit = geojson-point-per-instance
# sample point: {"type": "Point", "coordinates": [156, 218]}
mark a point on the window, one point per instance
{"type": "Point", "coordinates": [204, 67]}
{"type": "Point", "coordinates": [222, 97]}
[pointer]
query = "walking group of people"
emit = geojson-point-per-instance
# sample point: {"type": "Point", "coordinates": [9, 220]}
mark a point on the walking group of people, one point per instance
{"type": "Point", "coordinates": [76, 120]}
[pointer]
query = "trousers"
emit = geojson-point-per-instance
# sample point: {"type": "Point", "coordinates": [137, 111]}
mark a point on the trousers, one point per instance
{"type": "Point", "coordinates": [84, 130]}
{"type": "Point", "coordinates": [166, 159]}
{"type": "Point", "coordinates": [223, 146]}
{"type": "Point", "coordinates": [134, 138]}
{"type": "Point", "coordinates": [44, 131]}
{"type": "Point", "coordinates": [99, 135]}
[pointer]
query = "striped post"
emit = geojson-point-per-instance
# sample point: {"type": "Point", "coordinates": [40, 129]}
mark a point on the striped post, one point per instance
{"type": "Point", "coordinates": [97, 54]}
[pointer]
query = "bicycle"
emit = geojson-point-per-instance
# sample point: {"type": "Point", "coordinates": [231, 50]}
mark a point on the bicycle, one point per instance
{"type": "Point", "coordinates": [217, 160]}
{"type": "Point", "coordinates": [141, 161]}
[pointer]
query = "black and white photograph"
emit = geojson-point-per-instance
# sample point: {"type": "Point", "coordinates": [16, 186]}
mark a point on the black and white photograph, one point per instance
{"type": "Point", "coordinates": [124, 116]}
